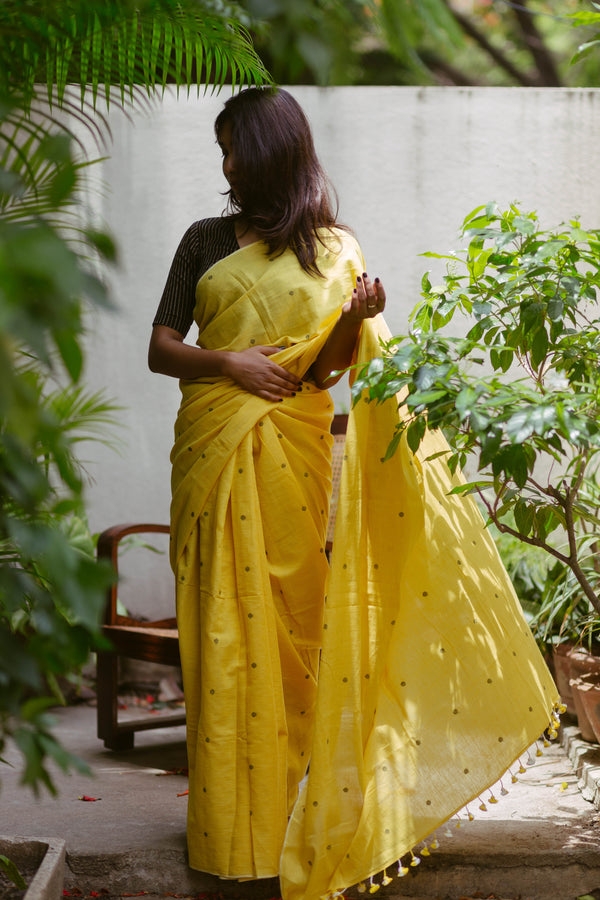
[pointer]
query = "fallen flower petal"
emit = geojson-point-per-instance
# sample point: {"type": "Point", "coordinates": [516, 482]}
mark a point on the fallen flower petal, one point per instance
{"type": "Point", "coordinates": [89, 799]}
{"type": "Point", "coordinates": [183, 793]}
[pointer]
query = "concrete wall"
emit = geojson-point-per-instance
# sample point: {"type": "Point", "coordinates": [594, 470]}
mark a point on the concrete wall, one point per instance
{"type": "Point", "coordinates": [408, 164]}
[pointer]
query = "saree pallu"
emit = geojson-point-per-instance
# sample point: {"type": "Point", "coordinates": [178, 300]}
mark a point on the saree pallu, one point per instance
{"type": "Point", "coordinates": [430, 684]}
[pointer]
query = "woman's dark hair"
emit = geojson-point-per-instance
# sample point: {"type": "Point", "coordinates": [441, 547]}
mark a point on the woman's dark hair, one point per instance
{"type": "Point", "coordinates": [280, 187]}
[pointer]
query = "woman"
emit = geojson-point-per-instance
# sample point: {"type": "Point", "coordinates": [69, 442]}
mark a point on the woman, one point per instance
{"type": "Point", "coordinates": [430, 684]}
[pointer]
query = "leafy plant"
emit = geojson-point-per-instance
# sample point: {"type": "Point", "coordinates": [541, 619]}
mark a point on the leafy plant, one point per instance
{"type": "Point", "coordinates": [121, 42]}
{"type": "Point", "coordinates": [527, 567]}
{"type": "Point", "coordinates": [51, 588]}
{"type": "Point", "coordinates": [518, 396]}
{"type": "Point", "coordinates": [443, 42]}
{"type": "Point", "coordinates": [587, 18]}
{"type": "Point", "coordinates": [51, 592]}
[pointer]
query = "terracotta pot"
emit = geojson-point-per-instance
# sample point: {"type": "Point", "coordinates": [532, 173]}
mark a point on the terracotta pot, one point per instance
{"type": "Point", "coordinates": [589, 695]}
{"type": "Point", "coordinates": [582, 662]}
{"type": "Point", "coordinates": [562, 672]}
{"type": "Point", "coordinates": [581, 687]}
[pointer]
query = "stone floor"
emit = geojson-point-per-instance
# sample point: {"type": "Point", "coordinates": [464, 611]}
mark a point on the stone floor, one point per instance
{"type": "Point", "coordinates": [540, 842]}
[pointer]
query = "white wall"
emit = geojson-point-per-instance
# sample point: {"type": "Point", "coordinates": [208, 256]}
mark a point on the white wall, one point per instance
{"type": "Point", "coordinates": [408, 164]}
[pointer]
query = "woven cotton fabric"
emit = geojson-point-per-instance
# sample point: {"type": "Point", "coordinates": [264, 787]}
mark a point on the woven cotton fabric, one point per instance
{"type": "Point", "coordinates": [406, 674]}
{"type": "Point", "coordinates": [430, 685]}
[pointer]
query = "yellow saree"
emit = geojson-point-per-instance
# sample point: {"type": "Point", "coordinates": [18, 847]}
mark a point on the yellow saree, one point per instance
{"type": "Point", "coordinates": [429, 682]}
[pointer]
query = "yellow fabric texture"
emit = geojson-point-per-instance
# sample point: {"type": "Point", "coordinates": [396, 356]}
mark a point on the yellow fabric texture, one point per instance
{"type": "Point", "coordinates": [429, 683]}
{"type": "Point", "coordinates": [251, 487]}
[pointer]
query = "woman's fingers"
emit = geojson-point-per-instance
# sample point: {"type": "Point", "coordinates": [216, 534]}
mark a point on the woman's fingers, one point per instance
{"type": "Point", "coordinates": [257, 373]}
{"type": "Point", "coordinates": [379, 294]}
{"type": "Point", "coordinates": [267, 351]}
{"type": "Point", "coordinates": [286, 379]}
{"type": "Point", "coordinates": [368, 298]}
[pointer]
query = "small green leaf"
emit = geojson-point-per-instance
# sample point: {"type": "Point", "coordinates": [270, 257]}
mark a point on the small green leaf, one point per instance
{"type": "Point", "coordinates": [518, 466]}
{"type": "Point", "coordinates": [393, 445]}
{"type": "Point", "coordinates": [478, 420]}
{"type": "Point", "coordinates": [555, 309]}
{"type": "Point", "coordinates": [12, 873]}
{"type": "Point", "coordinates": [539, 348]}
{"type": "Point", "coordinates": [524, 516]}
{"type": "Point", "coordinates": [415, 433]}
{"type": "Point", "coordinates": [70, 351]}
{"type": "Point", "coordinates": [425, 376]}
{"type": "Point", "coordinates": [519, 426]}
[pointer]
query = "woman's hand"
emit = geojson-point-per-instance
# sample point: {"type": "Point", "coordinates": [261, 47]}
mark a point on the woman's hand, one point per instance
{"type": "Point", "coordinates": [253, 371]}
{"type": "Point", "coordinates": [368, 299]}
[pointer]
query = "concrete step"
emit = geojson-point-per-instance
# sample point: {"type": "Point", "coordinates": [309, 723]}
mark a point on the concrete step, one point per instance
{"type": "Point", "coordinates": [539, 842]}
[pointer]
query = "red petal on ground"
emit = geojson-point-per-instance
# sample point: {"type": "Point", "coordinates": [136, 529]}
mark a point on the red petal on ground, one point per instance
{"type": "Point", "coordinates": [183, 793]}
{"type": "Point", "coordinates": [89, 799]}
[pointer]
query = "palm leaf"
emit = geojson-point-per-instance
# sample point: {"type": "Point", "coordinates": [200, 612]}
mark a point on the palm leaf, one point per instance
{"type": "Point", "coordinates": [158, 43]}
{"type": "Point", "coordinates": [83, 415]}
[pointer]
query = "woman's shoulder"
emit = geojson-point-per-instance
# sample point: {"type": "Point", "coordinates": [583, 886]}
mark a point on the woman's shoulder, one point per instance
{"type": "Point", "coordinates": [217, 226]}
{"type": "Point", "coordinates": [209, 238]}
{"type": "Point", "coordinates": [214, 228]}
{"type": "Point", "coordinates": [341, 240]}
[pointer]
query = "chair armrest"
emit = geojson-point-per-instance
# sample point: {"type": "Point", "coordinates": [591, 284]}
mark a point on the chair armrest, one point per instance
{"type": "Point", "coordinates": [339, 424]}
{"type": "Point", "coordinates": [108, 548]}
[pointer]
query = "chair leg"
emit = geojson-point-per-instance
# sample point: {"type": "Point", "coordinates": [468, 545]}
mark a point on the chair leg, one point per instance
{"type": "Point", "coordinates": [122, 741]}
{"type": "Point", "coordinates": [107, 684]}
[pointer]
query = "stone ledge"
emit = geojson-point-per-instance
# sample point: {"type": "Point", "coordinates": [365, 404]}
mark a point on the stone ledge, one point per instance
{"type": "Point", "coordinates": [585, 759]}
{"type": "Point", "coordinates": [45, 857]}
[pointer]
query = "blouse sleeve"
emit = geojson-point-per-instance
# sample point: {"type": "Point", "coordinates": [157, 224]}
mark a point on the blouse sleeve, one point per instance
{"type": "Point", "coordinates": [176, 307]}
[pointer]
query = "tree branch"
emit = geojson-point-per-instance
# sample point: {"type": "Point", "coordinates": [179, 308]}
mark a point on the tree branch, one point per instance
{"type": "Point", "coordinates": [444, 72]}
{"type": "Point", "coordinates": [533, 41]}
{"type": "Point", "coordinates": [467, 26]}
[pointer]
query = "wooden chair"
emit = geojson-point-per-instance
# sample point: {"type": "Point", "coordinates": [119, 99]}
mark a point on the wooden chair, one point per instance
{"type": "Point", "coordinates": [338, 430]}
{"type": "Point", "coordinates": [157, 641]}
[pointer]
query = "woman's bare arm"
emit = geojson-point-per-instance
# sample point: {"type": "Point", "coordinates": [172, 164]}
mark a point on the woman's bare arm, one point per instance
{"type": "Point", "coordinates": [169, 355]}
{"type": "Point", "coordinates": [251, 369]}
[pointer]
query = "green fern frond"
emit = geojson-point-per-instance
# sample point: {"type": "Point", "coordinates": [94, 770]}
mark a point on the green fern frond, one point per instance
{"type": "Point", "coordinates": [83, 415]}
{"type": "Point", "coordinates": [163, 40]}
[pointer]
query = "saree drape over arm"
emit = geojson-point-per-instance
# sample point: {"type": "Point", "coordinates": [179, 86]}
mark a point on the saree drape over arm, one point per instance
{"type": "Point", "coordinates": [429, 682]}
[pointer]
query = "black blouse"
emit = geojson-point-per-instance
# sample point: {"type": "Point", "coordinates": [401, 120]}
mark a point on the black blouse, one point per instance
{"type": "Point", "coordinates": [202, 245]}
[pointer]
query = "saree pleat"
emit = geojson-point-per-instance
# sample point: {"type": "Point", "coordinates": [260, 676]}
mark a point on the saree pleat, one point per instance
{"type": "Point", "coordinates": [251, 487]}
{"type": "Point", "coordinates": [429, 682]}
